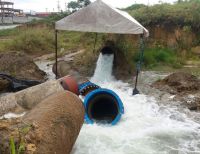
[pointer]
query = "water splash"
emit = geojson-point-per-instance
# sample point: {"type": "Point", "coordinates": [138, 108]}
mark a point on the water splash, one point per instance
{"type": "Point", "coordinates": [145, 128]}
{"type": "Point", "coordinates": [103, 71]}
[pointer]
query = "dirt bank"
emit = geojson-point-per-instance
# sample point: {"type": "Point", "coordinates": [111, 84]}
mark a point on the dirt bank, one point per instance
{"type": "Point", "coordinates": [20, 65]}
{"type": "Point", "coordinates": [185, 88]}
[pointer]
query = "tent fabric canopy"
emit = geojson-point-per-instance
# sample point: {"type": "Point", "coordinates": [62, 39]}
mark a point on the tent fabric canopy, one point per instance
{"type": "Point", "coordinates": [101, 18]}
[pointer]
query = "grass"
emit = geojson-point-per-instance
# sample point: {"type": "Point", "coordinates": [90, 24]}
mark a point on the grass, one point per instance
{"type": "Point", "coordinates": [159, 56]}
{"type": "Point", "coordinates": [12, 146]}
{"type": "Point", "coordinates": [16, 150]}
{"type": "Point", "coordinates": [41, 39]}
{"type": "Point", "coordinates": [8, 32]}
{"type": "Point", "coordinates": [38, 37]}
{"type": "Point", "coordinates": [33, 40]}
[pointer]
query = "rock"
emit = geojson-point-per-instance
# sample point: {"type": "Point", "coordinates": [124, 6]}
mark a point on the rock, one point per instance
{"type": "Point", "coordinates": [65, 68]}
{"type": "Point", "coordinates": [29, 97]}
{"type": "Point", "coordinates": [58, 119]}
{"type": "Point", "coordinates": [51, 127]}
{"type": "Point", "coordinates": [21, 66]}
{"type": "Point", "coordinates": [4, 84]}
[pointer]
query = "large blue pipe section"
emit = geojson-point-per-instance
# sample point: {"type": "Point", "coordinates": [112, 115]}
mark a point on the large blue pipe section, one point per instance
{"type": "Point", "coordinates": [101, 105]}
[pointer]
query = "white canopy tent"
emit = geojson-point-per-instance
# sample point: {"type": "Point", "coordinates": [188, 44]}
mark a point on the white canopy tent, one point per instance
{"type": "Point", "coordinates": [99, 17]}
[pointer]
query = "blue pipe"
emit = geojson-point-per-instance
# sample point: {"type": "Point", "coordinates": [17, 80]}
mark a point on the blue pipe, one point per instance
{"type": "Point", "coordinates": [85, 87]}
{"type": "Point", "coordinates": [104, 101]}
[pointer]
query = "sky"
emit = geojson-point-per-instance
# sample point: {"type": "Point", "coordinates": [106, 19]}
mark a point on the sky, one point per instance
{"type": "Point", "coordinates": [51, 5]}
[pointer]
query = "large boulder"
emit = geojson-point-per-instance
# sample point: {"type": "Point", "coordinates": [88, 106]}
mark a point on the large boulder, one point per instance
{"type": "Point", "coordinates": [58, 120]}
{"type": "Point", "coordinates": [63, 68]}
{"type": "Point", "coordinates": [21, 66]}
{"type": "Point", "coordinates": [66, 68]}
{"type": "Point", "coordinates": [29, 97]}
{"type": "Point", "coordinates": [51, 127]}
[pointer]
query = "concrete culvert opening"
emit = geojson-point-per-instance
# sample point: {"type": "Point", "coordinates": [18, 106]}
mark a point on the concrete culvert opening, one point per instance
{"type": "Point", "coordinates": [103, 108]}
{"type": "Point", "coordinates": [107, 50]}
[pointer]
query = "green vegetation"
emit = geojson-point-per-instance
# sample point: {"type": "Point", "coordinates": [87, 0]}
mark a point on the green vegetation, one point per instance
{"type": "Point", "coordinates": [153, 57]}
{"type": "Point", "coordinates": [14, 150]}
{"type": "Point", "coordinates": [159, 56]}
{"type": "Point", "coordinates": [7, 32]}
{"type": "Point", "coordinates": [28, 39]}
{"type": "Point", "coordinates": [33, 40]}
{"type": "Point", "coordinates": [75, 5]}
{"type": "Point", "coordinates": [12, 146]}
{"type": "Point", "coordinates": [39, 39]}
{"type": "Point", "coordinates": [182, 13]}
{"type": "Point", "coordinates": [18, 147]}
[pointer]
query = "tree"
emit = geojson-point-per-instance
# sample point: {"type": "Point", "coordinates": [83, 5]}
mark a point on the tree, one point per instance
{"type": "Point", "coordinates": [73, 5]}
{"type": "Point", "coordinates": [76, 5]}
{"type": "Point", "coordinates": [84, 2]}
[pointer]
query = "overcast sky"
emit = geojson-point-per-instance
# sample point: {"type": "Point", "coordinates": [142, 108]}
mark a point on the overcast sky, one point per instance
{"type": "Point", "coordinates": [50, 5]}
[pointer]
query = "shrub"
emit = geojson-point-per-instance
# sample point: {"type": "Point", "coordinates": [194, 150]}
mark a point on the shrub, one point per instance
{"type": "Point", "coordinates": [184, 13]}
{"type": "Point", "coordinates": [158, 56]}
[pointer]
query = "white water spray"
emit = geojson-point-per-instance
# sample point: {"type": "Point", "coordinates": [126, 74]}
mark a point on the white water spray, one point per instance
{"type": "Point", "coordinates": [145, 128]}
{"type": "Point", "coordinates": [103, 71]}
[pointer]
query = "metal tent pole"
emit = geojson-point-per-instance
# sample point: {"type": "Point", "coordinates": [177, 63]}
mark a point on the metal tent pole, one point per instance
{"type": "Point", "coordinates": [56, 52]}
{"type": "Point", "coordinates": [135, 90]}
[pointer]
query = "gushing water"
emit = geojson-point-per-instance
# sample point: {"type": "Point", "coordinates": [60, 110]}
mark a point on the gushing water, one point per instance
{"type": "Point", "coordinates": [145, 128]}
{"type": "Point", "coordinates": [103, 71]}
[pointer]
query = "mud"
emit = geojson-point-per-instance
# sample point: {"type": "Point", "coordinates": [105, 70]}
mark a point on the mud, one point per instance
{"type": "Point", "coordinates": [21, 66]}
{"type": "Point", "coordinates": [185, 88]}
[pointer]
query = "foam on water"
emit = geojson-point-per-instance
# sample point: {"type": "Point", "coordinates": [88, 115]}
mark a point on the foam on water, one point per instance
{"type": "Point", "coordinates": [145, 128]}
